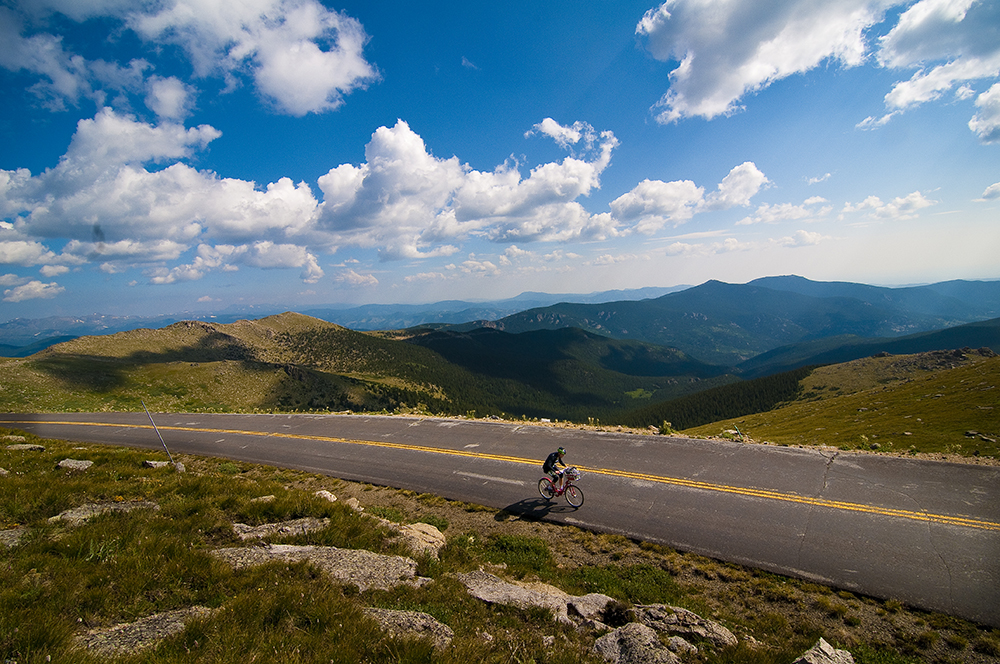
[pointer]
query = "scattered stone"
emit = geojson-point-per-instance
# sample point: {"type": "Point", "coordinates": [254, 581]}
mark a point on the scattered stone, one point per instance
{"type": "Point", "coordinates": [565, 607]}
{"type": "Point", "coordinates": [676, 621]}
{"type": "Point", "coordinates": [824, 653]}
{"type": "Point", "coordinates": [875, 446]}
{"type": "Point", "coordinates": [11, 438]}
{"type": "Point", "coordinates": [10, 538]}
{"type": "Point", "coordinates": [74, 464]}
{"type": "Point", "coordinates": [363, 569]}
{"type": "Point", "coordinates": [634, 644]}
{"type": "Point", "coordinates": [680, 646]}
{"type": "Point", "coordinates": [4, 472]}
{"type": "Point", "coordinates": [155, 464]}
{"type": "Point", "coordinates": [128, 638]}
{"type": "Point", "coordinates": [284, 528]}
{"type": "Point", "coordinates": [353, 503]}
{"type": "Point", "coordinates": [971, 434]}
{"type": "Point", "coordinates": [323, 493]}
{"type": "Point", "coordinates": [413, 623]}
{"type": "Point", "coordinates": [26, 447]}
{"type": "Point", "coordinates": [264, 499]}
{"type": "Point", "coordinates": [179, 467]}
{"type": "Point", "coordinates": [987, 439]}
{"type": "Point", "coordinates": [422, 538]}
{"type": "Point", "coordinates": [78, 515]}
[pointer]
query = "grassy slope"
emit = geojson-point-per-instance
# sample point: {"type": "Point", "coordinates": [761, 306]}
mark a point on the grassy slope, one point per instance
{"type": "Point", "coordinates": [924, 403]}
{"type": "Point", "coordinates": [118, 567]}
{"type": "Point", "coordinates": [293, 362]}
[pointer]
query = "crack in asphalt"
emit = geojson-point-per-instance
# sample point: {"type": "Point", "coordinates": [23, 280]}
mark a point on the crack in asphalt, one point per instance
{"type": "Point", "coordinates": [809, 515]}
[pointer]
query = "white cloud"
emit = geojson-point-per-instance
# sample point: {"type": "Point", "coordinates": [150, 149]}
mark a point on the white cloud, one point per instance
{"type": "Point", "coordinates": [170, 98]}
{"type": "Point", "coordinates": [986, 122]}
{"type": "Point", "coordinates": [301, 55]}
{"type": "Point", "coordinates": [771, 214]}
{"type": "Point", "coordinates": [817, 180]}
{"type": "Point", "coordinates": [355, 280]}
{"type": "Point", "coordinates": [802, 239]}
{"type": "Point", "coordinates": [901, 207]}
{"type": "Point", "coordinates": [726, 50]}
{"type": "Point", "coordinates": [11, 280]}
{"type": "Point", "coordinates": [654, 203]}
{"type": "Point", "coordinates": [32, 290]}
{"type": "Point", "coordinates": [992, 192]}
{"type": "Point", "coordinates": [53, 270]}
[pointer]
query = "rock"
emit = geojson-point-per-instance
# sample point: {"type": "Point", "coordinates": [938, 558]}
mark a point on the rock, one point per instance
{"type": "Point", "coordinates": [634, 644]}
{"type": "Point", "coordinates": [676, 621]}
{"type": "Point", "coordinates": [355, 505]}
{"type": "Point", "coordinates": [10, 538]}
{"type": "Point", "coordinates": [128, 638]}
{"type": "Point", "coordinates": [179, 467]}
{"type": "Point", "coordinates": [678, 645]}
{"type": "Point", "coordinates": [323, 493]}
{"type": "Point", "coordinates": [155, 464]}
{"type": "Point", "coordinates": [824, 653]}
{"type": "Point", "coordinates": [264, 499]}
{"type": "Point", "coordinates": [422, 537]}
{"type": "Point", "coordinates": [363, 569]}
{"type": "Point", "coordinates": [413, 623]}
{"type": "Point", "coordinates": [4, 472]}
{"type": "Point", "coordinates": [26, 447]}
{"type": "Point", "coordinates": [74, 464]}
{"type": "Point", "coordinates": [284, 528]}
{"type": "Point", "coordinates": [11, 438]}
{"type": "Point", "coordinates": [494, 590]}
{"type": "Point", "coordinates": [78, 515]}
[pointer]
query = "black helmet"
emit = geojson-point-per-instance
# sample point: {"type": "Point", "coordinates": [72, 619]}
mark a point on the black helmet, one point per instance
{"type": "Point", "coordinates": [561, 451]}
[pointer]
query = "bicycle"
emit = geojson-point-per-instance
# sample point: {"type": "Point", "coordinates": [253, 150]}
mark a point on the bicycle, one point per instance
{"type": "Point", "coordinates": [574, 494]}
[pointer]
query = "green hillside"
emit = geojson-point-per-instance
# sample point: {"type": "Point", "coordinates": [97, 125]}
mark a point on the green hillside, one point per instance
{"type": "Point", "coordinates": [297, 363]}
{"type": "Point", "coordinates": [940, 402]}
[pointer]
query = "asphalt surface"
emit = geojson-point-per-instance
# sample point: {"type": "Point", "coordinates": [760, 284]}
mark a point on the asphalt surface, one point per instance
{"type": "Point", "coordinates": [925, 533]}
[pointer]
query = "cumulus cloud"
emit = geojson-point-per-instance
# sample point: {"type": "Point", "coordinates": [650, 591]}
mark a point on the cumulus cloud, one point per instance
{"type": "Point", "coordinates": [992, 192]}
{"type": "Point", "coordinates": [771, 214]}
{"type": "Point", "coordinates": [300, 55]}
{"type": "Point", "coordinates": [726, 50]}
{"type": "Point", "coordinates": [802, 239]}
{"type": "Point", "coordinates": [654, 203]}
{"type": "Point", "coordinates": [901, 207]}
{"type": "Point", "coordinates": [986, 122]}
{"type": "Point", "coordinates": [170, 98]}
{"type": "Point", "coordinates": [32, 290]}
{"type": "Point", "coordinates": [355, 280]}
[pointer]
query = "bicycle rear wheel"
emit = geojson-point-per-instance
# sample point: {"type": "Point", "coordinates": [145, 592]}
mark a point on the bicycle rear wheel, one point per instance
{"type": "Point", "coordinates": [574, 495]}
{"type": "Point", "coordinates": [546, 489]}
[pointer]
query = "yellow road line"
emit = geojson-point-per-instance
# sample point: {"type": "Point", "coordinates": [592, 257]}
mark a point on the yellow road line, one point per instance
{"type": "Point", "coordinates": [674, 481]}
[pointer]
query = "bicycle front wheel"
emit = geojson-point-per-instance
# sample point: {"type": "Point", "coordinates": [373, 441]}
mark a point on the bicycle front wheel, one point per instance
{"type": "Point", "coordinates": [546, 489]}
{"type": "Point", "coordinates": [574, 495]}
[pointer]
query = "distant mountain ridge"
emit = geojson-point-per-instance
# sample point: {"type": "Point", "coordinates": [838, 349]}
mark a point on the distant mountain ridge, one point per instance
{"type": "Point", "coordinates": [38, 333]}
{"type": "Point", "coordinates": [728, 324]}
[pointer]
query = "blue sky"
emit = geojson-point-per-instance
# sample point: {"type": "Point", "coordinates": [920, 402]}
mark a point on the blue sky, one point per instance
{"type": "Point", "coordinates": [191, 155]}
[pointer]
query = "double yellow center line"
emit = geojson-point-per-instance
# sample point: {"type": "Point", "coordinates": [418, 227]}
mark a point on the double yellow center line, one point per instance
{"type": "Point", "coordinates": [752, 492]}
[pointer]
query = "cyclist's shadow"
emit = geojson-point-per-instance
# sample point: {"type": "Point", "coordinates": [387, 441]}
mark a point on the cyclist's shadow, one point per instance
{"type": "Point", "coordinates": [534, 509]}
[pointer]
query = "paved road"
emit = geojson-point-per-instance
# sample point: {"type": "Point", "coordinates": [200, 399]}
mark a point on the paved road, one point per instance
{"type": "Point", "coordinates": [922, 532]}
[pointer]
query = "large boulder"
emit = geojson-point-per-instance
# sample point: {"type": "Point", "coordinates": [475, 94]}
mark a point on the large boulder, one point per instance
{"type": "Point", "coordinates": [283, 528]}
{"type": "Point", "coordinates": [634, 644]}
{"type": "Point", "coordinates": [363, 569]}
{"type": "Point", "coordinates": [413, 623]}
{"type": "Point", "coordinates": [676, 621]}
{"type": "Point", "coordinates": [824, 653]}
{"type": "Point", "coordinates": [565, 607]}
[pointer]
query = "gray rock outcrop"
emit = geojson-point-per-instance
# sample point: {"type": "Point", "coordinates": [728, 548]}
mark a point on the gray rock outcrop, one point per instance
{"type": "Point", "coordinates": [128, 638]}
{"type": "Point", "coordinates": [413, 623]}
{"type": "Point", "coordinates": [824, 653]}
{"type": "Point", "coordinates": [363, 569]}
{"type": "Point", "coordinates": [25, 447]}
{"type": "Point", "coordinates": [74, 464]}
{"type": "Point", "coordinates": [676, 621]}
{"type": "Point", "coordinates": [284, 528]}
{"type": "Point", "coordinates": [565, 607]}
{"type": "Point", "coordinates": [78, 515]}
{"type": "Point", "coordinates": [634, 644]}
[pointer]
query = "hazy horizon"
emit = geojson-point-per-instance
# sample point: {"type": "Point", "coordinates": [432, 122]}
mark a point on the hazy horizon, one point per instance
{"type": "Point", "coordinates": [181, 157]}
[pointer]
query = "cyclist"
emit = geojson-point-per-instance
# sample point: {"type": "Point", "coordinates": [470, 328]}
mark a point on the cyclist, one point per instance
{"type": "Point", "coordinates": [549, 468]}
